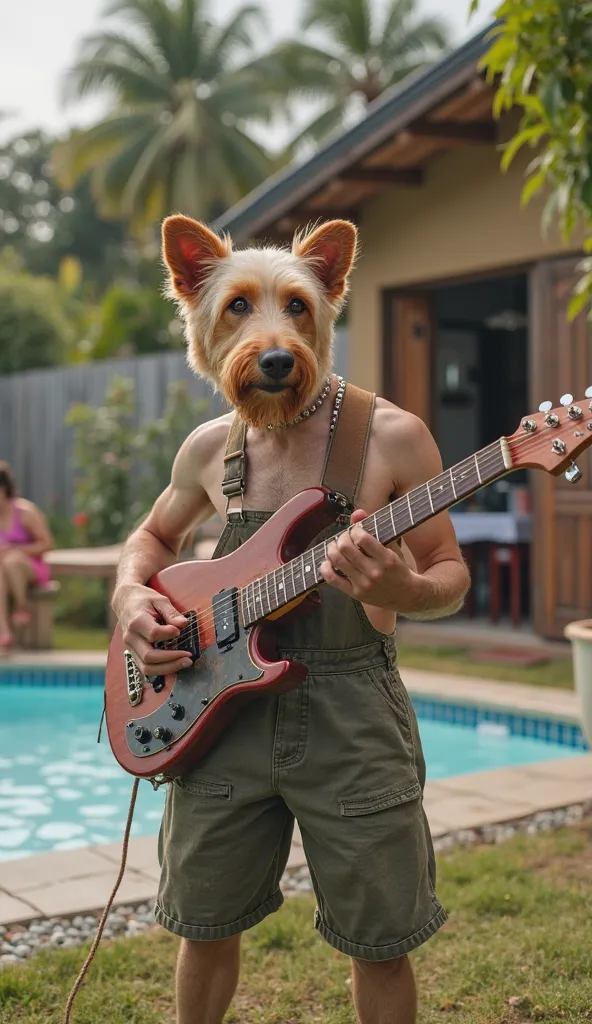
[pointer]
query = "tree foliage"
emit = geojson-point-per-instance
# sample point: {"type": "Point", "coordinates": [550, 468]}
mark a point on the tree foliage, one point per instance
{"type": "Point", "coordinates": [34, 331]}
{"type": "Point", "coordinates": [183, 96]}
{"type": "Point", "coordinates": [45, 223]}
{"type": "Point", "coordinates": [364, 53]}
{"type": "Point", "coordinates": [541, 60]}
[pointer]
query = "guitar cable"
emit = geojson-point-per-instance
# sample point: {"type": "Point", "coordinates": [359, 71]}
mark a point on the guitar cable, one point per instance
{"type": "Point", "coordinates": [105, 914]}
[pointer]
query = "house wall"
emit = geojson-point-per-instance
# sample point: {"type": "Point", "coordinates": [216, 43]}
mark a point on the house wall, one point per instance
{"type": "Point", "coordinates": [465, 219]}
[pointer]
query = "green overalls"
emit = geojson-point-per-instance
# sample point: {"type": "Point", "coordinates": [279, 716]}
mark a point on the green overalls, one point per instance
{"type": "Point", "coordinates": [342, 755]}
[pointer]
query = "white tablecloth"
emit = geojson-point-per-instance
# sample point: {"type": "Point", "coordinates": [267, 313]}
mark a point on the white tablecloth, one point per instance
{"type": "Point", "coordinates": [498, 527]}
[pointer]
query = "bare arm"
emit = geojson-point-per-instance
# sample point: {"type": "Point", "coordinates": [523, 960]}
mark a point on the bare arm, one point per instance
{"type": "Point", "coordinates": [145, 616]}
{"type": "Point", "coordinates": [36, 524]}
{"type": "Point", "coordinates": [437, 584]}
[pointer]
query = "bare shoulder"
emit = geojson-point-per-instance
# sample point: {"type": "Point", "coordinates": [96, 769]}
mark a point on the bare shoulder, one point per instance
{"type": "Point", "coordinates": [404, 442]}
{"type": "Point", "coordinates": [27, 508]}
{"type": "Point", "coordinates": [393, 424]}
{"type": "Point", "coordinates": [204, 445]}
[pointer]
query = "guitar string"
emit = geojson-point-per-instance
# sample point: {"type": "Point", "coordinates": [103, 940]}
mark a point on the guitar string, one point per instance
{"type": "Point", "coordinates": [486, 459]}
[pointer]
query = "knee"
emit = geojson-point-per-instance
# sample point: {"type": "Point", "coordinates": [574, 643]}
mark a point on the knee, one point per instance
{"type": "Point", "coordinates": [13, 560]}
{"type": "Point", "coordinates": [212, 952]}
{"type": "Point", "coordinates": [379, 969]}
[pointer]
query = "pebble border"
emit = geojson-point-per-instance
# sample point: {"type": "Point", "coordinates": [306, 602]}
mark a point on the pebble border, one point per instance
{"type": "Point", "coordinates": [19, 943]}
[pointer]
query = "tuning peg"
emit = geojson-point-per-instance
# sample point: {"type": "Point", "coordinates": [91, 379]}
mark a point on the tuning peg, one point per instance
{"type": "Point", "coordinates": [566, 400]}
{"type": "Point", "coordinates": [545, 406]}
{"type": "Point", "coordinates": [588, 392]}
{"type": "Point", "coordinates": [573, 474]}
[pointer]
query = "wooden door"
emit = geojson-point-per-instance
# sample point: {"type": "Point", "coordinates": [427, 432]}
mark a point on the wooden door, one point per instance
{"type": "Point", "coordinates": [560, 363]}
{"type": "Point", "coordinates": [407, 352]}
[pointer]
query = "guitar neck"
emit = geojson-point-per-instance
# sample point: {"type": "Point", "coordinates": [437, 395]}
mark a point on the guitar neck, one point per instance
{"type": "Point", "coordinates": [295, 578]}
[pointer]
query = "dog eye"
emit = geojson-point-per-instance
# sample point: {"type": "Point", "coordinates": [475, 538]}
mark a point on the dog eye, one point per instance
{"type": "Point", "coordinates": [296, 307]}
{"type": "Point", "coordinates": [239, 305]}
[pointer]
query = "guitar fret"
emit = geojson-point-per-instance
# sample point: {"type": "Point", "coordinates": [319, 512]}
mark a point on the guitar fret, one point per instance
{"type": "Point", "coordinates": [427, 486]}
{"type": "Point", "coordinates": [410, 512]}
{"type": "Point", "coordinates": [275, 592]}
{"type": "Point", "coordinates": [452, 483]}
{"type": "Point", "coordinates": [475, 456]}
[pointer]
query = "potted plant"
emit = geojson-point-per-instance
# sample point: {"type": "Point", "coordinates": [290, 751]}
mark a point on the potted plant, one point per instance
{"type": "Point", "coordinates": [580, 634]}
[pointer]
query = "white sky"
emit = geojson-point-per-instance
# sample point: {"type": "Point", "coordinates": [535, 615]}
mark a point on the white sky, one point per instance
{"type": "Point", "coordinates": [38, 41]}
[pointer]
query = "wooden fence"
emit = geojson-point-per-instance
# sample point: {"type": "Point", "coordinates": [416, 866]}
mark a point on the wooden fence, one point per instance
{"type": "Point", "coordinates": [33, 407]}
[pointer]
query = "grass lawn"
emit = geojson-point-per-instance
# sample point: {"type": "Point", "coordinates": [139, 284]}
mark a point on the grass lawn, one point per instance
{"type": "Point", "coordinates": [70, 638]}
{"type": "Point", "coordinates": [460, 661]}
{"type": "Point", "coordinates": [453, 660]}
{"type": "Point", "coordinates": [520, 929]}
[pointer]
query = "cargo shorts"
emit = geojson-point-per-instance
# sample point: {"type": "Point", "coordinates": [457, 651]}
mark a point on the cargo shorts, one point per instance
{"type": "Point", "coordinates": [342, 755]}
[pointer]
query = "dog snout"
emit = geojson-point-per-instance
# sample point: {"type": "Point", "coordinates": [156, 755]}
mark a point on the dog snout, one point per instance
{"type": "Point", "coordinates": [276, 363]}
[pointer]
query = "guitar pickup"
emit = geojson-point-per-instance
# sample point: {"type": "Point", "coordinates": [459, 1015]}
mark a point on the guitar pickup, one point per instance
{"type": "Point", "coordinates": [226, 622]}
{"type": "Point", "coordinates": [187, 641]}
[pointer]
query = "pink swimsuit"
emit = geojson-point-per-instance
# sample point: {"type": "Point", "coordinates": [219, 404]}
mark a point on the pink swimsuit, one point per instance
{"type": "Point", "coordinates": [17, 533]}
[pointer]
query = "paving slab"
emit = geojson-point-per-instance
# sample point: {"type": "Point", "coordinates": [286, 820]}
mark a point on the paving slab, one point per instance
{"type": "Point", "coordinates": [142, 855]}
{"type": "Point", "coordinates": [81, 895]}
{"type": "Point", "coordinates": [19, 876]}
{"type": "Point", "coordinates": [548, 702]}
{"type": "Point", "coordinates": [14, 911]}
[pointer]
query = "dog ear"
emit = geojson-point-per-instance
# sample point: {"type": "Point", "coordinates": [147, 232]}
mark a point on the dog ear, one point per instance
{"type": "Point", "coordinates": [190, 250]}
{"type": "Point", "coordinates": [331, 251]}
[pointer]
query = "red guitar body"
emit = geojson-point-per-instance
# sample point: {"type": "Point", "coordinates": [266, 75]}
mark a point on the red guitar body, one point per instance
{"type": "Point", "coordinates": [164, 726]}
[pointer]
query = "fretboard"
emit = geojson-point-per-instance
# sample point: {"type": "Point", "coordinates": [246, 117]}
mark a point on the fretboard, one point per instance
{"type": "Point", "coordinates": [264, 596]}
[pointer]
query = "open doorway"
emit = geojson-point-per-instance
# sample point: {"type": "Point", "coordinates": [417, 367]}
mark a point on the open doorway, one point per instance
{"type": "Point", "coordinates": [480, 392]}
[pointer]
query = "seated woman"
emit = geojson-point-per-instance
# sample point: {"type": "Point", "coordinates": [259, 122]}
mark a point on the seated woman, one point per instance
{"type": "Point", "coordinates": [24, 539]}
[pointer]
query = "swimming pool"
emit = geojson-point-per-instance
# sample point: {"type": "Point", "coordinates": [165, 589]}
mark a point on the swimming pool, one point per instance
{"type": "Point", "coordinates": [60, 790]}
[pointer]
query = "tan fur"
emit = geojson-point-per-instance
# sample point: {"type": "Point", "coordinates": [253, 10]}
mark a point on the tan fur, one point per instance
{"type": "Point", "coordinates": [206, 274]}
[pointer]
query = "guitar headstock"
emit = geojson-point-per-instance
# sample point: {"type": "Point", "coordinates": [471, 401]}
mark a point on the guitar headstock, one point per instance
{"type": "Point", "coordinates": [552, 438]}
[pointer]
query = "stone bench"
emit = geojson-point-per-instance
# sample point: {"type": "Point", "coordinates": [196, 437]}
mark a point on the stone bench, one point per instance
{"type": "Point", "coordinates": [38, 635]}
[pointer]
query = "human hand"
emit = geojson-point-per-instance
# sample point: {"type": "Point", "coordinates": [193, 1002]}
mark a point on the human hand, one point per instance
{"type": "Point", "coordinates": [373, 574]}
{"type": "Point", "coordinates": [138, 609]}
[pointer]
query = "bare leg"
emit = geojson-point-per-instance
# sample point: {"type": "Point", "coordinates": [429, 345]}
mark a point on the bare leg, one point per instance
{"type": "Point", "coordinates": [5, 633]}
{"type": "Point", "coordinates": [384, 992]}
{"type": "Point", "coordinates": [19, 574]}
{"type": "Point", "coordinates": [207, 976]}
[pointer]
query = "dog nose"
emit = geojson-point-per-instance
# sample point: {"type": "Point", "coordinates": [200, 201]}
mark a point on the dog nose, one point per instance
{"type": "Point", "coordinates": [276, 363]}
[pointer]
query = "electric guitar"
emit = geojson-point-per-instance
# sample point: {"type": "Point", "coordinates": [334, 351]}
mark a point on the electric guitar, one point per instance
{"type": "Point", "coordinates": [159, 727]}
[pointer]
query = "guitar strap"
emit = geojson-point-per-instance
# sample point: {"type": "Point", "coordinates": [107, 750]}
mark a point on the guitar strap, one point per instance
{"type": "Point", "coordinates": [344, 459]}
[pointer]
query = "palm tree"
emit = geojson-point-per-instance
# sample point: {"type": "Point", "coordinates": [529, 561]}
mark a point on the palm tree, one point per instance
{"type": "Point", "coordinates": [364, 55]}
{"type": "Point", "coordinates": [177, 136]}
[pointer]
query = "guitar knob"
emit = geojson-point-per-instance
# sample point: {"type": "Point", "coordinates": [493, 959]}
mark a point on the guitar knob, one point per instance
{"type": "Point", "coordinates": [163, 734]}
{"type": "Point", "coordinates": [566, 400]}
{"type": "Point", "coordinates": [573, 474]}
{"type": "Point", "coordinates": [545, 406]}
{"type": "Point", "coordinates": [588, 392]}
{"type": "Point", "coordinates": [177, 711]}
{"type": "Point", "coordinates": [142, 734]}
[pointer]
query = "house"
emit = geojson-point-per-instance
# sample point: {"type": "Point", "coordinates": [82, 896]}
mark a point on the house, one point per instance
{"type": "Point", "coordinates": [458, 303]}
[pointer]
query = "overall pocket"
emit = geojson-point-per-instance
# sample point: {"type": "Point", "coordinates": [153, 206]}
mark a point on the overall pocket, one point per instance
{"type": "Point", "coordinates": [203, 787]}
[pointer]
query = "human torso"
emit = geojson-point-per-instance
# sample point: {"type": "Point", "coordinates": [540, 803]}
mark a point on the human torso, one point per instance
{"type": "Point", "coordinates": [280, 465]}
{"type": "Point", "coordinates": [13, 529]}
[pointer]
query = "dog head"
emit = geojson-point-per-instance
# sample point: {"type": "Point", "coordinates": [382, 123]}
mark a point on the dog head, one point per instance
{"type": "Point", "coordinates": [259, 322]}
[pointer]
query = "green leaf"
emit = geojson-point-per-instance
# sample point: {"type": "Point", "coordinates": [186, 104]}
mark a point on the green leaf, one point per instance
{"type": "Point", "coordinates": [551, 96]}
{"type": "Point", "coordinates": [549, 212]}
{"type": "Point", "coordinates": [586, 193]}
{"type": "Point", "coordinates": [528, 77]}
{"type": "Point", "coordinates": [568, 89]}
{"type": "Point", "coordinates": [473, 8]}
{"type": "Point", "coordinates": [577, 302]}
{"type": "Point", "coordinates": [530, 135]}
{"type": "Point", "coordinates": [533, 185]}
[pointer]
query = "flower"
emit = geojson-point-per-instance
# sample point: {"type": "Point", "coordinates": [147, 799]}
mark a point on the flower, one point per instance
{"type": "Point", "coordinates": [80, 519]}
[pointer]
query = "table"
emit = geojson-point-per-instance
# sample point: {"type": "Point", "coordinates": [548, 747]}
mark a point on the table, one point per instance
{"type": "Point", "coordinates": [100, 563]}
{"type": "Point", "coordinates": [504, 533]}
{"type": "Point", "coordinates": [493, 527]}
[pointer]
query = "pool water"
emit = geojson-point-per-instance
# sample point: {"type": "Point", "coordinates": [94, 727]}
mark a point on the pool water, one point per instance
{"type": "Point", "coordinates": [60, 790]}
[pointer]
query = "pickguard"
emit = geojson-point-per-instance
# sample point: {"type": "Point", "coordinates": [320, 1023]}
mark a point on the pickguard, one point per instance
{"type": "Point", "coordinates": [195, 689]}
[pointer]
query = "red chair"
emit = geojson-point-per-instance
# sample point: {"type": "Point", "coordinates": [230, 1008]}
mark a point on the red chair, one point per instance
{"type": "Point", "coordinates": [501, 555]}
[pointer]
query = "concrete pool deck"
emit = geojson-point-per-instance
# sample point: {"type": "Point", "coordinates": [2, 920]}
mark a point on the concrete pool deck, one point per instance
{"type": "Point", "coordinates": [68, 882]}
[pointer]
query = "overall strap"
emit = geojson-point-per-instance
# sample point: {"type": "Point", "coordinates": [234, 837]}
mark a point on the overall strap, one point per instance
{"type": "Point", "coordinates": [235, 469]}
{"type": "Point", "coordinates": [346, 453]}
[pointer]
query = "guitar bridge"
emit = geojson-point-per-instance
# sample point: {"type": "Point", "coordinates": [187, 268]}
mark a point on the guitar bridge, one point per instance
{"type": "Point", "coordinates": [135, 679]}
